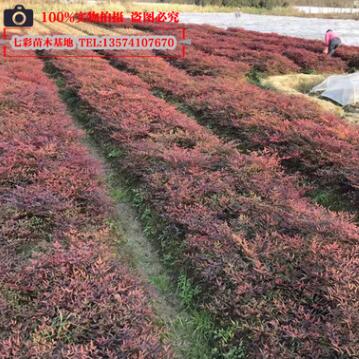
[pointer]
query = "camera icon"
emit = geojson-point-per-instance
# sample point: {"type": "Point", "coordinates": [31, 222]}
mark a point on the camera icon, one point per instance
{"type": "Point", "coordinates": [18, 17]}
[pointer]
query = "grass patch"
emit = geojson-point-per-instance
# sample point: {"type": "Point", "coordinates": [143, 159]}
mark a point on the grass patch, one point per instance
{"type": "Point", "coordinates": [255, 77]}
{"type": "Point", "coordinates": [329, 199]}
{"type": "Point", "coordinates": [277, 11]}
{"type": "Point", "coordinates": [301, 85]}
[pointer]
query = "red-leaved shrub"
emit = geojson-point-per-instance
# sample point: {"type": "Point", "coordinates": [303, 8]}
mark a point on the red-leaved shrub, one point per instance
{"type": "Point", "coordinates": [276, 268]}
{"type": "Point", "coordinates": [321, 146]}
{"type": "Point", "coordinates": [63, 294]}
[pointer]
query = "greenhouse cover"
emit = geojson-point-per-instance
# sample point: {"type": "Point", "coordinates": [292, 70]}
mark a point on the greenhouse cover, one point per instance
{"type": "Point", "coordinates": [343, 89]}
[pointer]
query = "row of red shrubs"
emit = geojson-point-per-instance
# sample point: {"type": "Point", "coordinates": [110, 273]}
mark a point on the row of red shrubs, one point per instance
{"type": "Point", "coordinates": [269, 53]}
{"type": "Point", "coordinates": [259, 59]}
{"type": "Point", "coordinates": [236, 51]}
{"type": "Point", "coordinates": [277, 269]}
{"type": "Point", "coordinates": [266, 52]}
{"type": "Point", "coordinates": [319, 145]}
{"type": "Point", "coordinates": [197, 62]}
{"type": "Point", "coordinates": [307, 54]}
{"type": "Point", "coordinates": [62, 292]}
{"type": "Point", "coordinates": [349, 54]}
{"type": "Point", "coordinates": [210, 54]}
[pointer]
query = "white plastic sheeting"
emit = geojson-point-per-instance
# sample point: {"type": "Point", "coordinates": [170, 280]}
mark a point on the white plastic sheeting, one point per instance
{"type": "Point", "coordinates": [308, 28]}
{"type": "Point", "coordinates": [327, 10]}
{"type": "Point", "coordinates": [343, 89]}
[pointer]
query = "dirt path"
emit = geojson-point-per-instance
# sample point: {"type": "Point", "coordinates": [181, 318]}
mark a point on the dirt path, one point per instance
{"type": "Point", "coordinates": [133, 246]}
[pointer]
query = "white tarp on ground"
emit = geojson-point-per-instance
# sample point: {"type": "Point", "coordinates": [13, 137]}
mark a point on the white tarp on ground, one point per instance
{"type": "Point", "coordinates": [343, 89]}
{"type": "Point", "coordinates": [327, 10]}
{"type": "Point", "coordinates": [308, 28]}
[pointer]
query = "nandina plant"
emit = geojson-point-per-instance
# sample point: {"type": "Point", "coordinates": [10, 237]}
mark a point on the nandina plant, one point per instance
{"type": "Point", "coordinates": [265, 258]}
{"type": "Point", "coordinates": [63, 293]}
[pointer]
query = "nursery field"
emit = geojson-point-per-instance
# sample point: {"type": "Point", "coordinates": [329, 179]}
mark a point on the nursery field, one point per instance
{"type": "Point", "coordinates": [63, 293]}
{"type": "Point", "coordinates": [250, 197]}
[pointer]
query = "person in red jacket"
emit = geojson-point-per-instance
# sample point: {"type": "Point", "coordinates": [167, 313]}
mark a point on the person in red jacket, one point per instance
{"type": "Point", "coordinates": [332, 42]}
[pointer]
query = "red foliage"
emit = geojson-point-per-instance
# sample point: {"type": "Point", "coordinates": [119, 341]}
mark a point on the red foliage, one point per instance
{"type": "Point", "coordinates": [306, 53]}
{"type": "Point", "coordinates": [271, 53]}
{"type": "Point", "coordinates": [73, 299]}
{"type": "Point", "coordinates": [308, 60]}
{"type": "Point", "coordinates": [196, 63]}
{"type": "Point", "coordinates": [319, 145]}
{"type": "Point", "coordinates": [251, 53]}
{"type": "Point", "coordinates": [265, 257]}
{"type": "Point", "coordinates": [350, 55]}
{"type": "Point", "coordinates": [263, 61]}
{"type": "Point", "coordinates": [274, 39]}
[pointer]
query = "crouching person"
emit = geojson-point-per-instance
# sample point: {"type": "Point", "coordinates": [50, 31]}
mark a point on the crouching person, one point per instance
{"type": "Point", "coordinates": [332, 42]}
